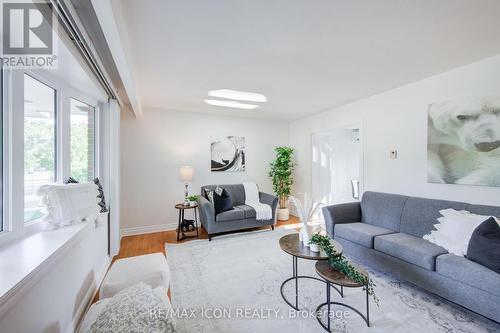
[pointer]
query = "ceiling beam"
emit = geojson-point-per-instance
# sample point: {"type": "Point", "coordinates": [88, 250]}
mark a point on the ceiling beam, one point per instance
{"type": "Point", "coordinates": [116, 38]}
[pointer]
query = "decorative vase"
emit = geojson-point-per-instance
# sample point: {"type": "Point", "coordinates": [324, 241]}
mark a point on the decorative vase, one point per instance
{"type": "Point", "coordinates": [314, 247]}
{"type": "Point", "coordinates": [305, 236]}
{"type": "Point", "coordinates": [283, 214]}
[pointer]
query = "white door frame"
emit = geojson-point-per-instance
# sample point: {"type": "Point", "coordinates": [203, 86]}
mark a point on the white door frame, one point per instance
{"type": "Point", "coordinates": [361, 155]}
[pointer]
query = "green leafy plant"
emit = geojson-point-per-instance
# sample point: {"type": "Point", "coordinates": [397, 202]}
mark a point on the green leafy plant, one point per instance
{"type": "Point", "coordinates": [341, 264]}
{"type": "Point", "coordinates": [192, 198]}
{"type": "Point", "coordinates": [281, 170]}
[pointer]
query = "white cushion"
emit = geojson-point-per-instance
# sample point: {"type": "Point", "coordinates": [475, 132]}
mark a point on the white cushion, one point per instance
{"type": "Point", "coordinates": [98, 307]}
{"type": "Point", "coordinates": [69, 203]}
{"type": "Point", "coordinates": [454, 230]}
{"type": "Point", "coordinates": [151, 269]}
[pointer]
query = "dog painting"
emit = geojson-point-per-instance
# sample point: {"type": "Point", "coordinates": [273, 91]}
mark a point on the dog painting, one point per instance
{"type": "Point", "coordinates": [464, 141]}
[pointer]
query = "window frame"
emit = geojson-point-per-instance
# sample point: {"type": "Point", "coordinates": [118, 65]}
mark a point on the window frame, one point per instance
{"type": "Point", "coordinates": [56, 134]}
{"type": "Point", "coordinates": [14, 226]}
{"type": "Point", "coordinates": [96, 131]}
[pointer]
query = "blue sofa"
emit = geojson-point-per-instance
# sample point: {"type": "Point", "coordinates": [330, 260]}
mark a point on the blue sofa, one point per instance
{"type": "Point", "coordinates": [240, 217]}
{"type": "Point", "coordinates": [385, 231]}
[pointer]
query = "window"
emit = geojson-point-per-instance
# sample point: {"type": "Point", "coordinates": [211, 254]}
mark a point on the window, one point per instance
{"type": "Point", "coordinates": [39, 143]}
{"type": "Point", "coordinates": [82, 141]}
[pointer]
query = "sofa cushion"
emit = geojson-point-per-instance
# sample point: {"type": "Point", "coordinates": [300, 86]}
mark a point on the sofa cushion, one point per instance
{"type": "Point", "coordinates": [419, 215]}
{"type": "Point", "coordinates": [468, 272]}
{"type": "Point", "coordinates": [151, 269]}
{"type": "Point", "coordinates": [484, 245]}
{"type": "Point", "coordinates": [222, 202]}
{"type": "Point", "coordinates": [249, 211]}
{"type": "Point", "coordinates": [360, 233]}
{"type": "Point", "coordinates": [98, 307]}
{"type": "Point", "coordinates": [409, 248]}
{"type": "Point", "coordinates": [484, 210]}
{"type": "Point", "coordinates": [382, 209]}
{"type": "Point", "coordinates": [230, 215]}
{"type": "Point", "coordinates": [130, 311]}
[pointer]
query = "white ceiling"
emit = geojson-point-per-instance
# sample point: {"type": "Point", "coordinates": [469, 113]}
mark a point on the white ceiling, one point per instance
{"type": "Point", "coordinates": [305, 56]}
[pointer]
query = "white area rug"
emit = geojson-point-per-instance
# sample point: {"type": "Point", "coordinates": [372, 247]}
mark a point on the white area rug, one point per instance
{"type": "Point", "coordinates": [231, 273]}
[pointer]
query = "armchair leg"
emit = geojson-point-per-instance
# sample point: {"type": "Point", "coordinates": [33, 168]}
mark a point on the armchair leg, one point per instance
{"type": "Point", "coordinates": [272, 227]}
{"type": "Point", "coordinates": [209, 237]}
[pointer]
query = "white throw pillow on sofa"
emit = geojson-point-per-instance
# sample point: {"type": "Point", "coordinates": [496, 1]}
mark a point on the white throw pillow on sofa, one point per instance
{"type": "Point", "coordinates": [454, 230]}
{"type": "Point", "coordinates": [69, 203]}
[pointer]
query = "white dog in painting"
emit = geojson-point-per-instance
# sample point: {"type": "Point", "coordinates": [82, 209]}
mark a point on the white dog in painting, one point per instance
{"type": "Point", "coordinates": [464, 141]}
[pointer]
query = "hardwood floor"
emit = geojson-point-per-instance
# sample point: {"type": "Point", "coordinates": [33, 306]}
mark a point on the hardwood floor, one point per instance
{"type": "Point", "coordinates": [155, 242]}
{"type": "Point", "coordinates": [137, 245]}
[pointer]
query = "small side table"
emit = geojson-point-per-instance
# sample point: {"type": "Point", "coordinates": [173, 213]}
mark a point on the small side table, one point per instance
{"type": "Point", "coordinates": [181, 234]}
{"type": "Point", "coordinates": [332, 276]}
{"type": "Point", "coordinates": [292, 245]}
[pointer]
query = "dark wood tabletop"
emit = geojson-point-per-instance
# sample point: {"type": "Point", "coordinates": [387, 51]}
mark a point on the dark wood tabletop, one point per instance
{"type": "Point", "coordinates": [293, 246]}
{"type": "Point", "coordinates": [330, 274]}
{"type": "Point", "coordinates": [182, 206]}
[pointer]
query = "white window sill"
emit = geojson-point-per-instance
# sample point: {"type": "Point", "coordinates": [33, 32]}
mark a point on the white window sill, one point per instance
{"type": "Point", "coordinates": [26, 258]}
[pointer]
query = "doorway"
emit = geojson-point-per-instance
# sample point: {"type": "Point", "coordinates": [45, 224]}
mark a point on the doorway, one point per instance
{"type": "Point", "coordinates": [337, 165]}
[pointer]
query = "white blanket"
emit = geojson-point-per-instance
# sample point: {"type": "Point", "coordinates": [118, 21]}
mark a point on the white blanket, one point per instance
{"type": "Point", "coordinates": [263, 211]}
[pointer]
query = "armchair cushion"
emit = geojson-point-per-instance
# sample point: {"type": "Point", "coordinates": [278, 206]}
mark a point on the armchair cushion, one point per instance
{"type": "Point", "coordinates": [222, 202]}
{"type": "Point", "coordinates": [230, 215]}
{"type": "Point", "coordinates": [249, 211]}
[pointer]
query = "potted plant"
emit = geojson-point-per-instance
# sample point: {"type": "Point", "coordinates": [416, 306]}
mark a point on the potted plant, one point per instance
{"type": "Point", "coordinates": [281, 170]}
{"type": "Point", "coordinates": [192, 199]}
{"type": "Point", "coordinates": [340, 263]}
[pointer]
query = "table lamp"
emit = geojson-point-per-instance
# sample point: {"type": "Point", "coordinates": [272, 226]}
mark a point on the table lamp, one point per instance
{"type": "Point", "coordinates": [186, 175]}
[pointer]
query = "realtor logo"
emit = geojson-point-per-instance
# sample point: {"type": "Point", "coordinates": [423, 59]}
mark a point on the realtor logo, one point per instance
{"type": "Point", "coordinates": [28, 34]}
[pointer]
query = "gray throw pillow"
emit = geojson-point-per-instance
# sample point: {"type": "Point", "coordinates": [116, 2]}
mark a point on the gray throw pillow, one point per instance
{"type": "Point", "coordinates": [484, 245]}
{"type": "Point", "coordinates": [130, 311]}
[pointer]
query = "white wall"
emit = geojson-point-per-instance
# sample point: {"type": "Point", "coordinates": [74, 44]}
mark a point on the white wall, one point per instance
{"type": "Point", "coordinates": [62, 290]}
{"type": "Point", "coordinates": [154, 147]}
{"type": "Point", "coordinates": [397, 119]}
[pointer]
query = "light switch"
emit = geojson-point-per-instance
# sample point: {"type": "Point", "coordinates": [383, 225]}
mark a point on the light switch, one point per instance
{"type": "Point", "coordinates": [393, 154]}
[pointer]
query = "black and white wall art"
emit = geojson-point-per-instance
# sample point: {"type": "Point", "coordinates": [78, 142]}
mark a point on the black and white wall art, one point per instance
{"type": "Point", "coordinates": [463, 144]}
{"type": "Point", "coordinates": [228, 154]}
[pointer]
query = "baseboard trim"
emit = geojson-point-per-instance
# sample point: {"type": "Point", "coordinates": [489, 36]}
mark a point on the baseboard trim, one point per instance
{"type": "Point", "coordinates": [147, 229]}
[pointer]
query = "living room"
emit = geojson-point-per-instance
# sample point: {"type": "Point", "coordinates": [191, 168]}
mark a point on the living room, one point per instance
{"type": "Point", "coordinates": [177, 155]}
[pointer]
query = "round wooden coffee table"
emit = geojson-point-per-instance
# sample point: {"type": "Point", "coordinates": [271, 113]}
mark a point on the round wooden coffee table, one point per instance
{"type": "Point", "coordinates": [333, 277]}
{"type": "Point", "coordinates": [292, 245]}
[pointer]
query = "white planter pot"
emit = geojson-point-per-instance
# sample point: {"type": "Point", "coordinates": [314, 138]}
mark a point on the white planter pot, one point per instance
{"type": "Point", "coordinates": [283, 214]}
{"type": "Point", "coordinates": [314, 247]}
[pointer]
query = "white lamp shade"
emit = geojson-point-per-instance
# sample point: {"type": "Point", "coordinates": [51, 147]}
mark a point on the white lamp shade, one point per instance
{"type": "Point", "coordinates": [186, 173]}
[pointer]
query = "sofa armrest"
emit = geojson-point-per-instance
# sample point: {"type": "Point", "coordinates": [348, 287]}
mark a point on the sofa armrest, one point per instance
{"type": "Point", "coordinates": [207, 212]}
{"type": "Point", "coordinates": [270, 200]}
{"type": "Point", "coordinates": [342, 213]}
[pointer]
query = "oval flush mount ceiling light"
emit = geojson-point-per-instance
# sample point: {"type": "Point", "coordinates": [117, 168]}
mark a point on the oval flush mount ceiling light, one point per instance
{"type": "Point", "coordinates": [231, 104]}
{"type": "Point", "coordinates": [238, 95]}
